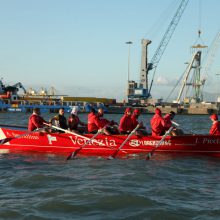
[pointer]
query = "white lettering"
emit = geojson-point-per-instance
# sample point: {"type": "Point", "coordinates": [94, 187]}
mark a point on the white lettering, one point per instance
{"type": "Point", "coordinates": [112, 143]}
{"type": "Point", "coordinates": [51, 138]}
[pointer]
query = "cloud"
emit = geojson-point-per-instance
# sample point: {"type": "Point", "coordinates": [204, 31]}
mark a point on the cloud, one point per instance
{"type": "Point", "coordinates": [164, 81]}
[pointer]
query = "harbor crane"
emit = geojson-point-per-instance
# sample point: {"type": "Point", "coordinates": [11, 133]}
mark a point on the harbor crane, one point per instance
{"type": "Point", "coordinates": [135, 93]}
{"type": "Point", "coordinates": [195, 66]}
{"type": "Point", "coordinates": [211, 55]}
{"type": "Point", "coordinates": [165, 40]}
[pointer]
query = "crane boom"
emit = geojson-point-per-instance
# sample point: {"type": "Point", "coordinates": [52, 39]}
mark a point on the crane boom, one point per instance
{"type": "Point", "coordinates": [211, 54]}
{"type": "Point", "coordinates": [166, 38]}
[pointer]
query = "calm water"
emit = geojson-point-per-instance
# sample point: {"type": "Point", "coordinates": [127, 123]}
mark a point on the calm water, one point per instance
{"type": "Point", "coordinates": [45, 187]}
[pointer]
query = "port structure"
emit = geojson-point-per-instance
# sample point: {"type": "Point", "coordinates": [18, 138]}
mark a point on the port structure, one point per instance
{"type": "Point", "coordinates": [196, 74]}
{"type": "Point", "coordinates": [140, 93]}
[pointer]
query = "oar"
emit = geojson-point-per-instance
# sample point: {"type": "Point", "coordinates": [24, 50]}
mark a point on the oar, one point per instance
{"type": "Point", "coordinates": [73, 133]}
{"type": "Point", "coordinates": [150, 154]}
{"type": "Point", "coordinates": [117, 150]}
{"type": "Point", "coordinates": [3, 141]}
{"type": "Point", "coordinates": [174, 123]}
{"type": "Point", "coordinates": [74, 153]}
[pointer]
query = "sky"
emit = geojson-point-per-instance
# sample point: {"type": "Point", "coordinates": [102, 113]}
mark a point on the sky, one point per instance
{"type": "Point", "coordinates": [78, 47]}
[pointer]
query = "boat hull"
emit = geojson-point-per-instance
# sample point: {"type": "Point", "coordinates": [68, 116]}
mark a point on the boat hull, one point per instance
{"type": "Point", "coordinates": [60, 143]}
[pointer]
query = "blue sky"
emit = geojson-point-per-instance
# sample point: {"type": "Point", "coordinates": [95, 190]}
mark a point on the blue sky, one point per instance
{"type": "Point", "coordinates": [79, 47]}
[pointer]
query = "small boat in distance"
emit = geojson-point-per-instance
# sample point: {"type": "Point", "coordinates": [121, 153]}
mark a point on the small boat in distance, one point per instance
{"type": "Point", "coordinates": [106, 145]}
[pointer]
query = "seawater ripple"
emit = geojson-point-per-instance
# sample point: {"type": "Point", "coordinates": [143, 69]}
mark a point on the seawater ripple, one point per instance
{"type": "Point", "coordinates": [37, 186]}
{"type": "Point", "coordinates": [51, 188]}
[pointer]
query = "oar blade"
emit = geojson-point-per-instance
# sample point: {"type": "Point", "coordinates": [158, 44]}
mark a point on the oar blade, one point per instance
{"type": "Point", "coordinates": [111, 157]}
{"type": "Point", "coordinates": [73, 154]}
{"type": "Point", "coordinates": [69, 157]}
{"type": "Point", "coordinates": [149, 155]}
{"type": "Point", "coordinates": [3, 141]}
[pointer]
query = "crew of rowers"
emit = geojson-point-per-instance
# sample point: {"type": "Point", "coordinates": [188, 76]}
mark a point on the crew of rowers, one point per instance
{"type": "Point", "coordinates": [96, 122]}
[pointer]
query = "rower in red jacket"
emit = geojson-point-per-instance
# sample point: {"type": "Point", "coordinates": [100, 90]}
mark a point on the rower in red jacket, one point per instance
{"type": "Point", "coordinates": [35, 120]}
{"type": "Point", "coordinates": [126, 123]}
{"type": "Point", "coordinates": [168, 119]}
{"type": "Point", "coordinates": [215, 129]}
{"type": "Point", "coordinates": [141, 130]}
{"type": "Point", "coordinates": [157, 124]}
{"type": "Point", "coordinates": [95, 123]}
{"type": "Point", "coordinates": [134, 117]}
{"type": "Point", "coordinates": [74, 122]}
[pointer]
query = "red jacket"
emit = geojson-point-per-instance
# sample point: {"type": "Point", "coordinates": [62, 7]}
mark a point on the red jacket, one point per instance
{"type": "Point", "coordinates": [168, 122]}
{"type": "Point", "coordinates": [94, 122]}
{"type": "Point", "coordinates": [134, 119]}
{"type": "Point", "coordinates": [35, 121]}
{"type": "Point", "coordinates": [126, 124]}
{"type": "Point", "coordinates": [157, 125]}
{"type": "Point", "coordinates": [215, 129]}
{"type": "Point", "coordinates": [73, 122]}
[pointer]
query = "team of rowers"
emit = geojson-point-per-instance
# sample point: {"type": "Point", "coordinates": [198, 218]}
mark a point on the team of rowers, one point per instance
{"type": "Point", "coordinates": [97, 122]}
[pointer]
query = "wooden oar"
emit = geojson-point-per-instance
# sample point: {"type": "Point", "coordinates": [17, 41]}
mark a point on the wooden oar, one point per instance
{"type": "Point", "coordinates": [150, 154]}
{"type": "Point", "coordinates": [117, 150]}
{"type": "Point", "coordinates": [73, 133]}
{"type": "Point", "coordinates": [74, 153]}
{"type": "Point", "coordinates": [3, 141]}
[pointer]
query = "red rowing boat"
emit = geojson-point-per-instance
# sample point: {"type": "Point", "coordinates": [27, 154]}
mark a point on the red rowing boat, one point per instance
{"type": "Point", "coordinates": [103, 145]}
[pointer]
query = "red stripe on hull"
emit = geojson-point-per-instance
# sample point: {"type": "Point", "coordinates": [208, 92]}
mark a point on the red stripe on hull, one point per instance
{"type": "Point", "coordinates": [66, 143]}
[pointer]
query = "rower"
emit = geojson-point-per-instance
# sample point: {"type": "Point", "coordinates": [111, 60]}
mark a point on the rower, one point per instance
{"type": "Point", "coordinates": [35, 120]}
{"type": "Point", "coordinates": [111, 126]}
{"type": "Point", "coordinates": [95, 124]}
{"type": "Point", "coordinates": [168, 119]}
{"type": "Point", "coordinates": [168, 123]}
{"type": "Point", "coordinates": [157, 123]}
{"type": "Point", "coordinates": [60, 120]}
{"type": "Point", "coordinates": [74, 121]}
{"type": "Point", "coordinates": [134, 117]}
{"type": "Point", "coordinates": [126, 123]}
{"type": "Point", "coordinates": [215, 129]}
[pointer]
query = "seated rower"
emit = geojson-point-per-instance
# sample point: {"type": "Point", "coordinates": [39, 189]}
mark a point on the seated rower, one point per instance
{"type": "Point", "coordinates": [111, 126]}
{"type": "Point", "coordinates": [215, 129]}
{"type": "Point", "coordinates": [157, 124]}
{"type": "Point", "coordinates": [95, 124]}
{"type": "Point", "coordinates": [74, 121]}
{"type": "Point", "coordinates": [168, 123]}
{"type": "Point", "coordinates": [126, 123]}
{"type": "Point", "coordinates": [59, 120]}
{"type": "Point", "coordinates": [141, 130]}
{"type": "Point", "coordinates": [35, 120]}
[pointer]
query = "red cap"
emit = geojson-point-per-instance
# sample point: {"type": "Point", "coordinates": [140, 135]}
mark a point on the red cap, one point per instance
{"type": "Point", "coordinates": [127, 110]}
{"type": "Point", "coordinates": [214, 117]}
{"type": "Point", "coordinates": [157, 111]}
{"type": "Point", "coordinates": [137, 112]}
